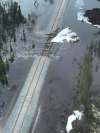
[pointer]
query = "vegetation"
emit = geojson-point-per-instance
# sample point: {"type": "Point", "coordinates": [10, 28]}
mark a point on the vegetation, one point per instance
{"type": "Point", "coordinates": [33, 44]}
{"type": "Point", "coordinates": [10, 18]}
{"type": "Point", "coordinates": [84, 94]}
{"type": "Point", "coordinates": [46, 46]}
{"type": "Point", "coordinates": [51, 1]}
{"type": "Point", "coordinates": [86, 91]}
{"type": "Point", "coordinates": [85, 86]}
{"type": "Point", "coordinates": [3, 77]}
{"type": "Point", "coordinates": [96, 49]}
{"type": "Point", "coordinates": [7, 65]}
{"type": "Point", "coordinates": [52, 35]}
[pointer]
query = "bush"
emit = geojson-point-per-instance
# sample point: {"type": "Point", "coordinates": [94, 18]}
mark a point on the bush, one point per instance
{"type": "Point", "coordinates": [33, 44]}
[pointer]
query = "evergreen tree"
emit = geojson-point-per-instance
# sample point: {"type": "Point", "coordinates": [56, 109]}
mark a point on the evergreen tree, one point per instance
{"type": "Point", "coordinates": [10, 18]}
{"type": "Point", "coordinates": [3, 77]}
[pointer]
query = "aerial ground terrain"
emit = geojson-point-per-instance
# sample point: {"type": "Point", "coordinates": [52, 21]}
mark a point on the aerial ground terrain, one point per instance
{"type": "Point", "coordinates": [49, 66]}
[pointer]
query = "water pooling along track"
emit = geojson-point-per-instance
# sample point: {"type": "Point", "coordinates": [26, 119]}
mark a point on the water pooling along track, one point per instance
{"type": "Point", "coordinates": [25, 107]}
{"type": "Point", "coordinates": [28, 98]}
{"type": "Point", "coordinates": [56, 18]}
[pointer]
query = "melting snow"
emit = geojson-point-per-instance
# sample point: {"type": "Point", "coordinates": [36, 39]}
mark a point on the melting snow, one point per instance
{"type": "Point", "coordinates": [80, 4]}
{"type": "Point", "coordinates": [81, 17]}
{"type": "Point", "coordinates": [77, 115]}
{"type": "Point", "coordinates": [66, 35]}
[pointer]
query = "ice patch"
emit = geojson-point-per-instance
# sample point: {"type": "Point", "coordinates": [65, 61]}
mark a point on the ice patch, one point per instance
{"type": "Point", "coordinates": [79, 4]}
{"type": "Point", "coordinates": [77, 115]}
{"type": "Point", "coordinates": [66, 35]}
{"type": "Point", "coordinates": [81, 17]}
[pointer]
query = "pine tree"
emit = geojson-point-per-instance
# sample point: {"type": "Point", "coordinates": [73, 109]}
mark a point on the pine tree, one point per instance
{"type": "Point", "coordinates": [3, 77]}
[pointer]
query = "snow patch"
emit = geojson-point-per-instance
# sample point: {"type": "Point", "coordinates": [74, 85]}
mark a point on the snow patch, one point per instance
{"type": "Point", "coordinates": [66, 35]}
{"type": "Point", "coordinates": [79, 4]}
{"type": "Point", "coordinates": [76, 115]}
{"type": "Point", "coordinates": [81, 17]}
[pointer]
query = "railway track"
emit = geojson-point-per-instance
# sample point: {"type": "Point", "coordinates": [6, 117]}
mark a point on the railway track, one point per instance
{"type": "Point", "coordinates": [30, 93]}
{"type": "Point", "coordinates": [32, 87]}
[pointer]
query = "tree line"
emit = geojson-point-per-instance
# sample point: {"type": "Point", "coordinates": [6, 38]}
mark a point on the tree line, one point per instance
{"type": "Point", "coordinates": [10, 19]}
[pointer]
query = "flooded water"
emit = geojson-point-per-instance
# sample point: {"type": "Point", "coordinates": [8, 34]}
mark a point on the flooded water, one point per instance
{"type": "Point", "coordinates": [16, 78]}
{"type": "Point", "coordinates": [59, 88]}
{"type": "Point", "coordinates": [85, 31]}
{"type": "Point", "coordinates": [41, 11]}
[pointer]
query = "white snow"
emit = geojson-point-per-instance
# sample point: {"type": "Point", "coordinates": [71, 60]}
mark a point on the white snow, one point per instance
{"type": "Point", "coordinates": [98, 26]}
{"type": "Point", "coordinates": [76, 115]}
{"type": "Point", "coordinates": [79, 4]}
{"type": "Point", "coordinates": [81, 17]}
{"type": "Point", "coordinates": [65, 35]}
